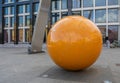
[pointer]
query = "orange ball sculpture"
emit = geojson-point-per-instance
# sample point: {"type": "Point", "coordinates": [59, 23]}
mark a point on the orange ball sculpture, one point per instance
{"type": "Point", "coordinates": [74, 43]}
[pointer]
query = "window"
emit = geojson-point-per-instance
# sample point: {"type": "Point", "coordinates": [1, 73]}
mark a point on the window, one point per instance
{"type": "Point", "coordinates": [36, 5]}
{"type": "Point", "coordinates": [88, 14]}
{"type": "Point", "coordinates": [76, 13]}
{"type": "Point", "coordinates": [6, 11]}
{"type": "Point", "coordinates": [76, 3]}
{"type": "Point", "coordinates": [20, 35]}
{"type": "Point", "coordinates": [27, 35]}
{"type": "Point", "coordinates": [112, 2]}
{"type": "Point", "coordinates": [55, 17]}
{"type": "Point", "coordinates": [112, 15]}
{"type": "Point", "coordinates": [27, 20]}
{"type": "Point", "coordinates": [12, 35]}
{"type": "Point", "coordinates": [27, 8]}
{"type": "Point", "coordinates": [12, 10]}
{"type": "Point", "coordinates": [100, 2]}
{"type": "Point", "coordinates": [100, 16]}
{"type": "Point", "coordinates": [56, 5]}
{"type": "Point", "coordinates": [20, 21]}
{"type": "Point", "coordinates": [102, 28]}
{"type": "Point", "coordinates": [64, 14]}
{"type": "Point", "coordinates": [87, 3]}
{"type": "Point", "coordinates": [6, 21]}
{"type": "Point", "coordinates": [5, 1]}
{"type": "Point", "coordinates": [112, 33]}
{"type": "Point", "coordinates": [11, 21]}
{"type": "Point", "coordinates": [20, 9]}
{"type": "Point", "coordinates": [12, 1]}
{"type": "Point", "coordinates": [5, 36]}
{"type": "Point", "coordinates": [64, 4]}
{"type": "Point", "coordinates": [22, 0]}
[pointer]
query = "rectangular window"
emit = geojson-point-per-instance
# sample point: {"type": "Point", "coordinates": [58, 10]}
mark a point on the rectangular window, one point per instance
{"type": "Point", "coordinates": [87, 3]}
{"type": "Point", "coordinates": [20, 9]}
{"type": "Point", "coordinates": [55, 17]}
{"type": "Point", "coordinates": [11, 21]}
{"type": "Point", "coordinates": [22, 0]}
{"type": "Point", "coordinates": [20, 21]}
{"type": "Point", "coordinates": [64, 4]}
{"type": "Point", "coordinates": [27, 35]}
{"type": "Point", "coordinates": [27, 20]}
{"type": "Point", "coordinates": [36, 6]}
{"type": "Point", "coordinates": [12, 10]}
{"type": "Point", "coordinates": [5, 36]}
{"type": "Point", "coordinates": [88, 14]}
{"type": "Point", "coordinates": [56, 5]}
{"type": "Point", "coordinates": [64, 14]}
{"type": "Point", "coordinates": [100, 2]}
{"type": "Point", "coordinates": [112, 2]}
{"type": "Point", "coordinates": [76, 13]}
{"type": "Point", "coordinates": [12, 36]}
{"type": "Point", "coordinates": [102, 28]}
{"type": "Point", "coordinates": [5, 1]}
{"type": "Point", "coordinates": [100, 16]}
{"type": "Point", "coordinates": [112, 33]}
{"type": "Point", "coordinates": [113, 15]}
{"type": "Point", "coordinates": [76, 3]}
{"type": "Point", "coordinates": [20, 35]}
{"type": "Point", "coordinates": [6, 21]}
{"type": "Point", "coordinates": [27, 8]}
{"type": "Point", "coordinates": [6, 11]}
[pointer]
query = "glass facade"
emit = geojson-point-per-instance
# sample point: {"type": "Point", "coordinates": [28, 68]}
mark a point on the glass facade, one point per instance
{"type": "Point", "coordinates": [100, 16]}
{"type": "Point", "coordinates": [87, 3]}
{"type": "Point", "coordinates": [104, 13]}
{"type": "Point", "coordinates": [100, 2]}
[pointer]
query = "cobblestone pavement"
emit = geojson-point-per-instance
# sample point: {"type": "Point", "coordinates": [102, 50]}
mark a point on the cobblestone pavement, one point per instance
{"type": "Point", "coordinates": [17, 66]}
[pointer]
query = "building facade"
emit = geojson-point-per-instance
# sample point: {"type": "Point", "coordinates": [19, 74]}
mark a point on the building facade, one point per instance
{"type": "Point", "coordinates": [17, 17]}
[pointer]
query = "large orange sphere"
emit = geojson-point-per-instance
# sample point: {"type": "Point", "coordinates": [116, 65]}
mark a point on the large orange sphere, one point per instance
{"type": "Point", "coordinates": [74, 43]}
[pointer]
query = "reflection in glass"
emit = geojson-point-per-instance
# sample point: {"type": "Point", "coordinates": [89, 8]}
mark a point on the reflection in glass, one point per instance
{"type": "Point", "coordinates": [26, 35]}
{"type": "Point", "coordinates": [6, 21]}
{"type": "Point", "coordinates": [64, 14]}
{"type": "Point", "coordinates": [102, 28]}
{"type": "Point", "coordinates": [88, 14]}
{"type": "Point", "coordinates": [27, 8]}
{"type": "Point", "coordinates": [11, 21]}
{"type": "Point", "coordinates": [27, 20]}
{"type": "Point", "coordinates": [100, 16]}
{"type": "Point", "coordinates": [55, 4]}
{"type": "Point", "coordinates": [112, 15]}
{"type": "Point", "coordinates": [23, 0]}
{"type": "Point", "coordinates": [12, 36]}
{"type": "Point", "coordinates": [100, 2]}
{"type": "Point", "coordinates": [76, 3]}
{"type": "Point", "coordinates": [112, 2]}
{"type": "Point", "coordinates": [55, 17]}
{"type": "Point", "coordinates": [20, 9]}
{"type": "Point", "coordinates": [36, 5]}
{"type": "Point", "coordinates": [64, 4]}
{"type": "Point", "coordinates": [20, 21]}
{"type": "Point", "coordinates": [6, 11]}
{"type": "Point", "coordinates": [76, 13]}
{"type": "Point", "coordinates": [5, 1]}
{"type": "Point", "coordinates": [87, 3]}
{"type": "Point", "coordinates": [5, 36]}
{"type": "Point", "coordinates": [20, 35]}
{"type": "Point", "coordinates": [12, 10]}
{"type": "Point", "coordinates": [112, 33]}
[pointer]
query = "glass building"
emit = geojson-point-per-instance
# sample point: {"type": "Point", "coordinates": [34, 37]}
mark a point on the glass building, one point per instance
{"type": "Point", "coordinates": [17, 17]}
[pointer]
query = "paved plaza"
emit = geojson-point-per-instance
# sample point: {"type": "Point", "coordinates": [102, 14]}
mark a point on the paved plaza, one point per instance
{"type": "Point", "coordinates": [17, 66]}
